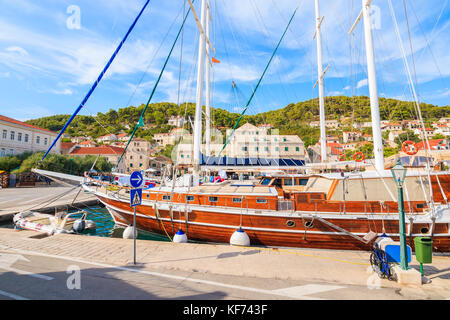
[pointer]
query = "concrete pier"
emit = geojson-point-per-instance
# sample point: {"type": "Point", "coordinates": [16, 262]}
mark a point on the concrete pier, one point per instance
{"type": "Point", "coordinates": [234, 272]}
{"type": "Point", "coordinates": [14, 200]}
{"type": "Point", "coordinates": [208, 271]}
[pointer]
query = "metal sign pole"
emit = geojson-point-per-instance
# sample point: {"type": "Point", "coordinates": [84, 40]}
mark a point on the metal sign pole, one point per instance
{"type": "Point", "coordinates": [136, 180]}
{"type": "Point", "coordinates": [134, 236]}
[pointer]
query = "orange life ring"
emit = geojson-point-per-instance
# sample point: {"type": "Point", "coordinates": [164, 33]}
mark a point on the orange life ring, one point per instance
{"type": "Point", "coordinates": [342, 157]}
{"type": "Point", "coordinates": [409, 147]}
{"type": "Point", "coordinates": [358, 159]}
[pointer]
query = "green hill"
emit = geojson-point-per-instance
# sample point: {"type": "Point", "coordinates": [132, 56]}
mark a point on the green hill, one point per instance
{"type": "Point", "coordinates": [292, 119]}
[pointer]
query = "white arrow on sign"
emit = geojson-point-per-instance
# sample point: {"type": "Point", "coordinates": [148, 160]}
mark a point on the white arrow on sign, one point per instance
{"type": "Point", "coordinates": [8, 259]}
{"type": "Point", "coordinates": [138, 179]}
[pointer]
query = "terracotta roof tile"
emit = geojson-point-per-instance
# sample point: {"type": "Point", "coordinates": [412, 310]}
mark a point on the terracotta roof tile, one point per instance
{"type": "Point", "coordinates": [67, 145]}
{"type": "Point", "coordinates": [98, 150]}
{"type": "Point", "coordinates": [7, 119]}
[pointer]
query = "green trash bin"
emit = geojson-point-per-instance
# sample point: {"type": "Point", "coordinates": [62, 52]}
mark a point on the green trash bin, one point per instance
{"type": "Point", "coordinates": [424, 249]}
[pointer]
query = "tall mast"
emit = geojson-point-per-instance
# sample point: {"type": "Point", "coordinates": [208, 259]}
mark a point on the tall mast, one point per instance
{"type": "Point", "coordinates": [323, 139]}
{"type": "Point", "coordinates": [373, 90]}
{"type": "Point", "coordinates": [208, 96]}
{"type": "Point", "coordinates": [372, 80]}
{"type": "Point", "coordinates": [199, 98]}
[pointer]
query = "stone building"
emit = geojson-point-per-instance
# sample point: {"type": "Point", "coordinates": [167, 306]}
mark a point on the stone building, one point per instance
{"type": "Point", "coordinates": [18, 137]}
{"type": "Point", "coordinates": [137, 155]}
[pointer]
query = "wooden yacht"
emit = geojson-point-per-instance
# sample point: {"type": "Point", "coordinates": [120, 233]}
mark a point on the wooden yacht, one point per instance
{"type": "Point", "coordinates": [334, 211]}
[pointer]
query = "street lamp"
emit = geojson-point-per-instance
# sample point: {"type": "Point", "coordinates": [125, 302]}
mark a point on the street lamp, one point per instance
{"type": "Point", "coordinates": [399, 174]}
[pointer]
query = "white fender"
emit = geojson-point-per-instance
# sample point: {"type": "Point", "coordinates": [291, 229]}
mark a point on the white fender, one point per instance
{"type": "Point", "coordinates": [128, 233]}
{"type": "Point", "coordinates": [180, 237]}
{"type": "Point", "coordinates": [239, 238]}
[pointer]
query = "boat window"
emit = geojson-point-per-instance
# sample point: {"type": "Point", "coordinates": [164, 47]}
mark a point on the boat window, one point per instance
{"type": "Point", "coordinates": [190, 198]}
{"type": "Point", "coordinates": [266, 181]}
{"type": "Point", "coordinates": [316, 197]}
{"type": "Point", "coordinates": [277, 183]}
{"type": "Point", "coordinates": [290, 223]}
{"type": "Point", "coordinates": [405, 161]}
{"type": "Point", "coordinates": [166, 197]}
{"type": "Point", "coordinates": [288, 182]}
{"type": "Point", "coordinates": [237, 200]}
{"type": "Point", "coordinates": [261, 201]}
{"type": "Point", "coordinates": [301, 182]}
{"type": "Point", "coordinates": [213, 199]}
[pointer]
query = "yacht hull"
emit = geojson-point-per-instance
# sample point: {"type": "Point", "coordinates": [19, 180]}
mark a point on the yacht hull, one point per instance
{"type": "Point", "coordinates": [274, 228]}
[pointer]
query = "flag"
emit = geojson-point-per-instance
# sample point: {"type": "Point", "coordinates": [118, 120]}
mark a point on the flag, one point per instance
{"type": "Point", "coordinates": [215, 60]}
{"type": "Point", "coordinates": [140, 122]}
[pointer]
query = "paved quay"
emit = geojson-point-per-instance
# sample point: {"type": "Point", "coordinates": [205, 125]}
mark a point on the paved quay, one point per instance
{"type": "Point", "coordinates": [167, 270]}
{"type": "Point", "coordinates": [14, 200]}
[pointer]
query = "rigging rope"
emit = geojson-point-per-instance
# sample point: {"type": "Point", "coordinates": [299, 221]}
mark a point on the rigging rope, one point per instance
{"type": "Point", "coordinates": [413, 91]}
{"type": "Point", "coordinates": [257, 85]}
{"type": "Point", "coordinates": [141, 118]}
{"type": "Point", "coordinates": [97, 81]}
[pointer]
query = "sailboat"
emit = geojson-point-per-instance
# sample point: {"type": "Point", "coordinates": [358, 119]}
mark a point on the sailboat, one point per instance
{"type": "Point", "coordinates": [323, 210]}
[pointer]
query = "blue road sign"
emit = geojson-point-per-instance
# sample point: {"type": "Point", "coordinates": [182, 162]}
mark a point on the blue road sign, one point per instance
{"type": "Point", "coordinates": [136, 179]}
{"type": "Point", "coordinates": [135, 197]}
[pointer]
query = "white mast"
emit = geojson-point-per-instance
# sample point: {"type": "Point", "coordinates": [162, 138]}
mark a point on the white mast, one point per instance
{"type": "Point", "coordinates": [320, 73]}
{"type": "Point", "coordinates": [208, 97]}
{"type": "Point", "coordinates": [199, 98]}
{"type": "Point", "coordinates": [373, 90]}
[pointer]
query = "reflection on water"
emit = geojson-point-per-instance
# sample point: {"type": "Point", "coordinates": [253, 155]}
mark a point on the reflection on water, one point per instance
{"type": "Point", "coordinates": [105, 226]}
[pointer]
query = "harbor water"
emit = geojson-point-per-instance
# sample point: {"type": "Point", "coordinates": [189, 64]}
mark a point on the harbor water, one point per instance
{"type": "Point", "coordinates": [105, 226]}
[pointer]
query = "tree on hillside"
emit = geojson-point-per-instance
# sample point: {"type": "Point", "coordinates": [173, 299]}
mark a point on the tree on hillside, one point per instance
{"type": "Point", "coordinates": [408, 135]}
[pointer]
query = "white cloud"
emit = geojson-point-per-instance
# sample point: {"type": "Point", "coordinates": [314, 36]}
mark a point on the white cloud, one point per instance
{"type": "Point", "coordinates": [63, 91]}
{"type": "Point", "coordinates": [362, 83]}
{"type": "Point", "coordinates": [246, 32]}
{"type": "Point", "coordinates": [19, 50]}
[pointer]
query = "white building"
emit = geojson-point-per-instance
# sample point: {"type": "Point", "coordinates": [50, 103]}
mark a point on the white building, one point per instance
{"type": "Point", "coordinates": [107, 138]}
{"type": "Point", "coordinates": [351, 136]}
{"type": "Point", "coordinates": [392, 126]}
{"type": "Point", "coordinates": [442, 129]}
{"type": "Point", "coordinates": [176, 121]}
{"type": "Point", "coordinates": [393, 134]}
{"type": "Point", "coordinates": [123, 137]}
{"type": "Point", "coordinates": [172, 137]}
{"type": "Point", "coordinates": [247, 142]}
{"type": "Point", "coordinates": [18, 137]}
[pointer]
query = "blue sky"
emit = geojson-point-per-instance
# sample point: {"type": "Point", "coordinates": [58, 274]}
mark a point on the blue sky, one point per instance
{"type": "Point", "coordinates": [47, 66]}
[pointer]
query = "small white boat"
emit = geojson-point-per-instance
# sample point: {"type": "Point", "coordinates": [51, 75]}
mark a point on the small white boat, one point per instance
{"type": "Point", "coordinates": [61, 222]}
